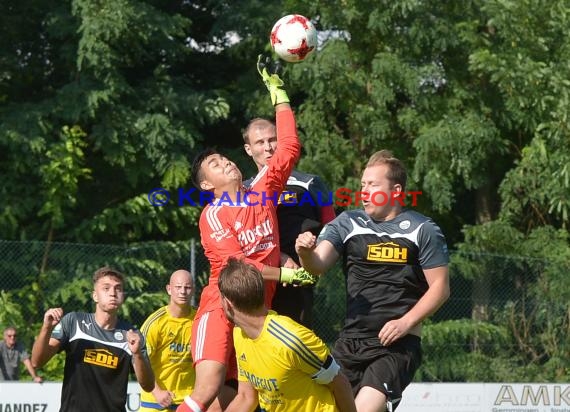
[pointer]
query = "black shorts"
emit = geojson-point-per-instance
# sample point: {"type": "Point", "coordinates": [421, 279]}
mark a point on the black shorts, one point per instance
{"type": "Point", "coordinates": [388, 369]}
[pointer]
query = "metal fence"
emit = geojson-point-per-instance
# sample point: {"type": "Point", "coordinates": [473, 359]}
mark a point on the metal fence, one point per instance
{"type": "Point", "coordinates": [38, 275]}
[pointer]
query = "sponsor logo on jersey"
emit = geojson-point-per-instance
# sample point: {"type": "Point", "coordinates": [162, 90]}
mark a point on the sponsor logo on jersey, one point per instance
{"type": "Point", "coordinates": [179, 347]}
{"type": "Point", "coordinates": [220, 234]}
{"type": "Point", "coordinates": [248, 237]}
{"type": "Point", "coordinates": [405, 224]}
{"type": "Point", "coordinates": [260, 246]}
{"type": "Point", "coordinates": [288, 198]}
{"type": "Point", "coordinates": [264, 383]}
{"type": "Point", "coordinates": [243, 358]}
{"type": "Point", "coordinates": [389, 252]}
{"type": "Point", "coordinates": [101, 357]}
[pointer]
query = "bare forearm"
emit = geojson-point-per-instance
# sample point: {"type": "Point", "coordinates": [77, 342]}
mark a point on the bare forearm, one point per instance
{"type": "Point", "coordinates": [30, 368]}
{"type": "Point", "coordinates": [41, 351]}
{"type": "Point", "coordinates": [271, 273]}
{"type": "Point", "coordinates": [315, 259]}
{"type": "Point", "coordinates": [143, 372]}
{"type": "Point", "coordinates": [312, 263]}
{"type": "Point", "coordinates": [241, 404]}
{"type": "Point", "coordinates": [429, 303]}
{"type": "Point", "coordinates": [343, 394]}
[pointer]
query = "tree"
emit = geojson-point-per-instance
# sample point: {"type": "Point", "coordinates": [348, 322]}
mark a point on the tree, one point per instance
{"type": "Point", "coordinates": [473, 95]}
{"type": "Point", "coordinates": [119, 72]}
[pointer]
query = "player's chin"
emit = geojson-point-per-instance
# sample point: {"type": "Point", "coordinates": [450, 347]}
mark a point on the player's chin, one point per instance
{"type": "Point", "coordinates": [368, 207]}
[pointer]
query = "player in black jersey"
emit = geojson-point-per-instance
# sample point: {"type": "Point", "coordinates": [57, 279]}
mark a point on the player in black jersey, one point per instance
{"type": "Point", "coordinates": [99, 347]}
{"type": "Point", "coordinates": [396, 268]}
{"type": "Point", "coordinates": [305, 204]}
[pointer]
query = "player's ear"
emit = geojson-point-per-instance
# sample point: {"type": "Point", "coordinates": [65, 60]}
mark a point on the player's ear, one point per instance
{"type": "Point", "coordinates": [206, 186]}
{"type": "Point", "coordinates": [397, 191]}
{"type": "Point", "coordinates": [94, 295]}
{"type": "Point", "coordinates": [247, 149]}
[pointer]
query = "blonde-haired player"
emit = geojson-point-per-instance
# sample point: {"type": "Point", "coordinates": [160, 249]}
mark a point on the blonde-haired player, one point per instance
{"type": "Point", "coordinates": [282, 365]}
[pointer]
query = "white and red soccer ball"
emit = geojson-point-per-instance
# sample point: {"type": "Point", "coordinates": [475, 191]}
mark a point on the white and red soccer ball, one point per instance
{"type": "Point", "coordinates": [293, 38]}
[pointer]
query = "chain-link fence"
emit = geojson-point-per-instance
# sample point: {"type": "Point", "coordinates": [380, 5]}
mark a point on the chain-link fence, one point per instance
{"type": "Point", "coordinates": [520, 300]}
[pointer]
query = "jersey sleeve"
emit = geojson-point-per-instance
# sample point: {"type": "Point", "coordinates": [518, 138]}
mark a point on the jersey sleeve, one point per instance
{"type": "Point", "coordinates": [432, 246]}
{"type": "Point", "coordinates": [219, 240]}
{"type": "Point", "coordinates": [307, 351]}
{"type": "Point", "coordinates": [335, 232]}
{"type": "Point", "coordinates": [272, 178]}
{"type": "Point", "coordinates": [320, 191]}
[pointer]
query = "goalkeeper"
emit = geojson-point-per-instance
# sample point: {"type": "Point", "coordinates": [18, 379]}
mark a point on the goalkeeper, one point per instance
{"type": "Point", "coordinates": [244, 229]}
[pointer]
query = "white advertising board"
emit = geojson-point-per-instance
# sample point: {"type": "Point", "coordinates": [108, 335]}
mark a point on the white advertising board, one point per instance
{"type": "Point", "coordinates": [486, 397]}
{"type": "Point", "coordinates": [45, 397]}
{"type": "Point", "coordinates": [418, 397]}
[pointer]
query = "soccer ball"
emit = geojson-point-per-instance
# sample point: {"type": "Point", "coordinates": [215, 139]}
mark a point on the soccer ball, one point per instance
{"type": "Point", "coordinates": [293, 38]}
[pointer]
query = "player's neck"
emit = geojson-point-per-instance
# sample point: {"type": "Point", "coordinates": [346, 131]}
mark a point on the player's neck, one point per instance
{"type": "Point", "coordinates": [178, 311]}
{"type": "Point", "coordinates": [229, 191]}
{"type": "Point", "coordinates": [391, 214]}
{"type": "Point", "coordinates": [106, 320]}
{"type": "Point", "coordinates": [252, 325]}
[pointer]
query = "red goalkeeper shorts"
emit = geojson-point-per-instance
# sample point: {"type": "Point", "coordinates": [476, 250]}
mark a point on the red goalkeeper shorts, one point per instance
{"type": "Point", "coordinates": [212, 339]}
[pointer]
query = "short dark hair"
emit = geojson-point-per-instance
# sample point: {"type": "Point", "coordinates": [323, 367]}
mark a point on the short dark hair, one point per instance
{"type": "Point", "coordinates": [243, 285]}
{"type": "Point", "coordinates": [196, 173]}
{"type": "Point", "coordinates": [397, 173]}
{"type": "Point", "coordinates": [108, 271]}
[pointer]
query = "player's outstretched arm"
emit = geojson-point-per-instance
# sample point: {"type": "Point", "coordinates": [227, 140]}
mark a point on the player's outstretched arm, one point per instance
{"type": "Point", "coordinates": [268, 70]}
{"type": "Point", "coordinates": [246, 399]}
{"type": "Point", "coordinates": [316, 259]}
{"type": "Point", "coordinates": [44, 346]}
{"type": "Point", "coordinates": [32, 371]}
{"type": "Point", "coordinates": [342, 393]}
{"type": "Point", "coordinates": [141, 364]}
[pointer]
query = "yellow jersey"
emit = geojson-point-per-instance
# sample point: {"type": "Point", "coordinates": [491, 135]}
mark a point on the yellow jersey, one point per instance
{"type": "Point", "coordinates": [168, 346]}
{"type": "Point", "coordinates": [280, 364]}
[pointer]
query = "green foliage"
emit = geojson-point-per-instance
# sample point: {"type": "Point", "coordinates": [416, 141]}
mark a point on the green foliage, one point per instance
{"type": "Point", "coordinates": [119, 72]}
{"type": "Point", "coordinates": [449, 355]}
{"type": "Point", "coordinates": [330, 300]}
{"type": "Point", "coordinates": [100, 102]}
{"type": "Point", "coordinates": [62, 174]}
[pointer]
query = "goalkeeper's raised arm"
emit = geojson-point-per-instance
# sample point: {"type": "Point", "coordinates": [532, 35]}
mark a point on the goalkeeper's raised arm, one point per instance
{"type": "Point", "coordinates": [269, 72]}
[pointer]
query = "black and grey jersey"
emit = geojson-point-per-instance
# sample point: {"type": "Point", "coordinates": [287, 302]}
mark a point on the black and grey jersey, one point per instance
{"type": "Point", "coordinates": [97, 364]}
{"type": "Point", "coordinates": [383, 264]}
{"type": "Point", "coordinates": [301, 200]}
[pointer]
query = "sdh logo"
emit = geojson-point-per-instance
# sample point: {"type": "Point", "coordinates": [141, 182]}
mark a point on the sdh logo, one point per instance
{"type": "Point", "coordinates": [389, 252]}
{"type": "Point", "coordinates": [101, 357]}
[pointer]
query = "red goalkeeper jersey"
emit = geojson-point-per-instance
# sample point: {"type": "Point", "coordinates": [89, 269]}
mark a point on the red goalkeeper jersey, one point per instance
{"type": "Point", "coordinates": [248, 228]}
